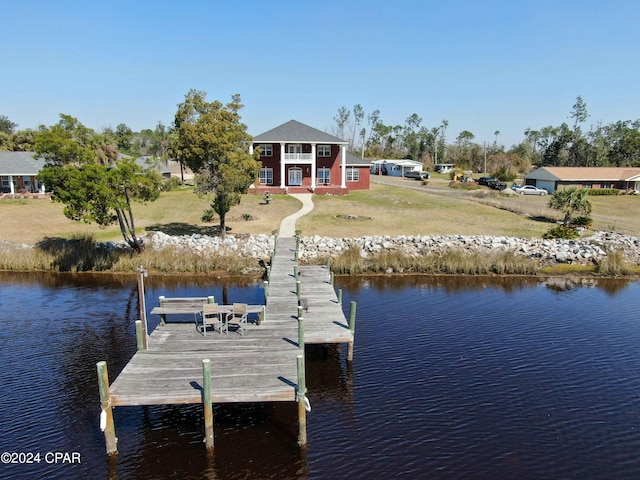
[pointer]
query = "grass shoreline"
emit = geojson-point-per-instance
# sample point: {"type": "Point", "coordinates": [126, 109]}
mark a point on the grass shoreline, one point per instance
{"type": "Point", "coordinates": [390, 210]}
{"type": "Point", "coordinates": [83, 254]}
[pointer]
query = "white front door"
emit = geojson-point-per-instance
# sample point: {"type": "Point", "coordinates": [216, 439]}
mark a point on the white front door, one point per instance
{"type": "Point", "coordinates": [295, 176]}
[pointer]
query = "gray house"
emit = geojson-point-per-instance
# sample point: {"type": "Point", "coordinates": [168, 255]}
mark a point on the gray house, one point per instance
{"type": "Point", "coordinates": [554, 178]}
{"type": "Point", "coordinates": [18, 172]}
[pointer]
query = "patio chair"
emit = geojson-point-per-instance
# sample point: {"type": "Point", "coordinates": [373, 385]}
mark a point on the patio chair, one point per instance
{"type": "Point", "coordinates": [239, 317]}
{"type": "Point", "coordinates": [212, 316]}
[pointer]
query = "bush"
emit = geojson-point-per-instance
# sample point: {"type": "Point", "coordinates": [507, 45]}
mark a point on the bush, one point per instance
{"type": "Point", "coordinates": [170, 183]}
{"type": "Point", "coordinates": [602, 191]}
{"type": "Point", "coordinates": [208, 215]}
{"type": "Point", "coordinates": [584, 222]}
{"type": "Point", "coordinates": [504, 174]}
{"type": "Point", "coordinates": [562, 232]}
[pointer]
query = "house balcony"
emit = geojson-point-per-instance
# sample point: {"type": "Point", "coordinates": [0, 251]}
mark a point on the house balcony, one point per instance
{"type": "Point", "coordinates": [298, 157]}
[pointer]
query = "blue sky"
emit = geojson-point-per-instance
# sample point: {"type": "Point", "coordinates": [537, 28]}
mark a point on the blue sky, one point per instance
{"type": "Point", "coordinates": [482, 65]}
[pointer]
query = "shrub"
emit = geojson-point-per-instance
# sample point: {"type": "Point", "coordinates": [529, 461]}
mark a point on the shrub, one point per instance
{"type": "Point", "coordinates": [602, 191]}
{"type": "Point", "coordinates": [583, 221]}
{"type": "Point", "coordinates": [170, 184]}
{"type": "Point", "coordinates": [562, 232]}
{"type": "Point", "coordinates": [208, 215]}
{"type": "Point", "coordinates": [504, 174]}
{"type": "Point", "coordinates": [247, 216]}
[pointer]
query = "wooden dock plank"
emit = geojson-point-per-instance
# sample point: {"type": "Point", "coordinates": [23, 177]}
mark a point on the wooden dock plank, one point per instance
{"type": "Point", "coordinates": [259, 366]}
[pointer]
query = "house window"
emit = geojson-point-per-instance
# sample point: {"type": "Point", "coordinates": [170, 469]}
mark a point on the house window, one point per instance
{"type": "Point", "coordinates": [353, 174]}
{"type": "Point", "coordinates": [324, 176]}
{"type": "Point", "coordinates": [266, 150]}
{"type": "Point", "coordinates": [266, 176]}
{"type": "Point", "coordinates": [324, 150]}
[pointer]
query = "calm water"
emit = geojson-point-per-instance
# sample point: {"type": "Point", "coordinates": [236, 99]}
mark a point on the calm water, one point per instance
{"type": "Point", "coordinates": [452, 378]}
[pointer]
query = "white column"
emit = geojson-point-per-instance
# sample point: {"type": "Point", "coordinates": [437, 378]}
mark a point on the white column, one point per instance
{"type": "Point", "coordinates": [282, 182]}
{"type": "Point", "coordinates": [313, 166]}
{"type": "Point", "coordinates": [251, 149]}
{"type": "Point", "coordinates": [343, 163]}
{"type": "Point", "coordinates": [13, 190]}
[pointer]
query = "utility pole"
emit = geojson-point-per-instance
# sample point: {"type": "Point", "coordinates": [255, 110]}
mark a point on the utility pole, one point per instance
{"type": "Point", "coordinates": [485, 158]}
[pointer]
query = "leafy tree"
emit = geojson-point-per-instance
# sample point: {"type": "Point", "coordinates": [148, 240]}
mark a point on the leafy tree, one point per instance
{"type": "Point", "coordinates": [67, 142]}
{"type": "Point", "coordinates": [211, 140]}
{"type": "Point", "coordinates": [124, 137]}
{"type": "Point", "coordinates": [463, 146]}
{"type": "Point", "coordinates": [160, 141]}
{"type": "Point", "coordinates": [84, 174]}
{"type": "Point", "coordinates": [569, 201]}
{"type": "Point", "coordinates": [6, 125]}
{"type": "Point", "coordinates": [623, 139]}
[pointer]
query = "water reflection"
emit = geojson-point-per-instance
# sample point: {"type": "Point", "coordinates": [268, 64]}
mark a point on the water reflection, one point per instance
{"type": "Point", "coordinates": [453, 377]}
{"type": "Point", "coordinates": [460, 284]}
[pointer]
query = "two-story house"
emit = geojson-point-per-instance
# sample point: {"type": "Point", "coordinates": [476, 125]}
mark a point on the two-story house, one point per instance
{"type": "Point", "coordinates": [298, 158]}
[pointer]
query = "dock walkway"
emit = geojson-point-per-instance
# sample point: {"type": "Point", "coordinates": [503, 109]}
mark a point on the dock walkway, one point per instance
{"type": "Point", "coordinates": [263, 365]}
{"type": "Point", "coordinates": [259, 366]}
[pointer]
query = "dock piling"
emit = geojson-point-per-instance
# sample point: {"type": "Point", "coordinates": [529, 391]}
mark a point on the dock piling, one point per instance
{"type": "Point", "coordinates": [302, 408]}
{"type": "Point", "coordinates": [143, 307]}
{"type": "Point", "coordinates": [208, 406]}
{"type": "Point", "coordinates": [106, 416]}
{"type": "Point", "coordinates": [352, 327]}
{"type": "Point", "coordinates": [300, 329]}
{"type": "Point", "coordinates": [140, 336]}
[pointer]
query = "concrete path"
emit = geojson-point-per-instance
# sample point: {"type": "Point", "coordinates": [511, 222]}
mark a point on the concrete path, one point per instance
{"type": "Point", "coordinates": [288, 224]}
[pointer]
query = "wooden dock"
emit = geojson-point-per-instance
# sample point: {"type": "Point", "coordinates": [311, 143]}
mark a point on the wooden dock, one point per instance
{"type": "Point", "coordinates": [259, 366]}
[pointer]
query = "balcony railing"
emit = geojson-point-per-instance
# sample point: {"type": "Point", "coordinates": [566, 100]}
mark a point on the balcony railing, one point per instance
{"type": "Point", "coordinates": [298, 156]}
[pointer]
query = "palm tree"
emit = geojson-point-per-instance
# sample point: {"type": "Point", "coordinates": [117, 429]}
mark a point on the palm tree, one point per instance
{"type": "Point", "coordinates": [569, 201]}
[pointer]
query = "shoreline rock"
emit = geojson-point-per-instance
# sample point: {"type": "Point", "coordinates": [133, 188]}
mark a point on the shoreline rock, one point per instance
{"type": "Point", "coordinates": [581, 251]}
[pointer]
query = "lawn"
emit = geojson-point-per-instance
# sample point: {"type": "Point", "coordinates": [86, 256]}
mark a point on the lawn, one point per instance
{"type": "Point", "coordinates": [382, 210]}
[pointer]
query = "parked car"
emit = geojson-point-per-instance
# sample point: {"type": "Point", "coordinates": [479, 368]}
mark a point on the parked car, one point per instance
{"type": "Point", "coordinates": [530, 190]}
{"type": "Point", "coordinates": [486, 181]}
{"type": "Point", "coordinates": [492, 183]}
{"type": "Point", "coordinates": [417, 175]}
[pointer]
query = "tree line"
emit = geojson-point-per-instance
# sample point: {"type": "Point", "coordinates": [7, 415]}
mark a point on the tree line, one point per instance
{"type": "Point", "coordinates": [569, 144]}
{"type": "Point", "coordinates": [145, 142]}
{"type": "Point", "coordinates": [86, 171]}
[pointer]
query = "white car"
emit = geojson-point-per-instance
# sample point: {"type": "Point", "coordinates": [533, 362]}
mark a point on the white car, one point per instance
{"type": "Point", "coordinates": [530, 190]}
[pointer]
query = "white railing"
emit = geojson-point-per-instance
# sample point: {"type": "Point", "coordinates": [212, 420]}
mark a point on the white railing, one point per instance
{"type": "Point", "coordinates": [298, 156]}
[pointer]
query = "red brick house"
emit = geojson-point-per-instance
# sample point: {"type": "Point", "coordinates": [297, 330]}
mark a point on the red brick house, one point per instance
{"type": "Point", "coordinates": [297, 158]}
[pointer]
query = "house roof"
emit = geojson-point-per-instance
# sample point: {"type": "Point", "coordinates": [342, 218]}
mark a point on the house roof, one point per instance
{"type": "Point", "coordinates": [19, 163]}
{"type": "Point", "coordinates": [146, 161]}
{"type": "Point", "coordinates": [585, 174]}
{"type": "Point", "coordinates": [296, 132]}
{"type": "Point", "coordinates": [403, 162]}
{"type": "Point", "coordinates": [353, 161]}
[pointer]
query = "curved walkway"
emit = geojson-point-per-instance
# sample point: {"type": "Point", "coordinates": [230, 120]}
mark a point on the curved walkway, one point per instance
{"type": "Point", "coordinates": [288, 224]}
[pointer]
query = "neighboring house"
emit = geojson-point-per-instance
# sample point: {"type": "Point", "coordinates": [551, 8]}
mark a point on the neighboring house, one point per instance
{"type": "Point", "coordinates": [18, 172]}
{"type": "Point", "coordinates": [554, 178]}
{"type": "Point", "coordinates": [298, 158]}
{"type": "Point", "coordinates": [394, 168]}
{"type": "Point", "coordinates": [161, 166]}
{"type": "Point", "coordinates": [444, 167]}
